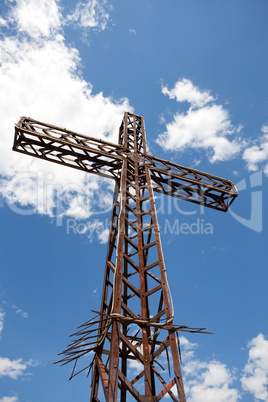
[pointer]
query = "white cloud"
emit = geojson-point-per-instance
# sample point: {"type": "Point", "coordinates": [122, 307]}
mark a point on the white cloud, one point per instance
{"type": "Point", "coordinates": [264, 129]}
{"type": "Point", "coordinates": [255, 378]}
{"type": "Point", "coordinates": [187, 348]}
{"type": "Point", "coordinates": [40, 76]}
{"type": "Point", "coordinates": [209, 382]}
{"type": "Point", "coordinates": [9, 399]}
{"type": "Point", "coordinates": [92, 14]}
{"type": "Point", "coordinates": [212, 380]}
{"type": "Point", "coordinates": [203, 126]}
{"type": "Point", "coordinates": [258, 154]}
{"type": "Point", "coordinates": [97, 227]}
{"type": "Point", "coordinates": [104, 236]}
{"type": "Point", "coordinates": [206, 381]}
{"type": "Point", "coordinates": [36, 17]}
{"type": "Point", "coordinates": [2, 316]}
{"type": "Point", "coordinates": [3, 22]}
{"type": "Point", "coordinates": [78, 207]}
{"type": "Point", "coordinates": [184, 90]}
{"type": "Point", "coordinates": [12, 368]}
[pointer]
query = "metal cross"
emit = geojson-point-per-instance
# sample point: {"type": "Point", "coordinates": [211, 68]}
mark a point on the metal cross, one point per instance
{"type": "Point", "coordinates": [135, 323]}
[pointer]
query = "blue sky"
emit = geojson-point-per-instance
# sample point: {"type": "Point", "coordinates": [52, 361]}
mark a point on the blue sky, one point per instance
{"type": "Point", "coordinates": [197, 72]}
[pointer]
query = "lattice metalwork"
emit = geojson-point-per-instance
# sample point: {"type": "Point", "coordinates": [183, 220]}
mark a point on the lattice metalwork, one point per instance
{"type": "Point", "coordinates": [135, 321]}
{"type": "Point", "coordinates": [100, 157]}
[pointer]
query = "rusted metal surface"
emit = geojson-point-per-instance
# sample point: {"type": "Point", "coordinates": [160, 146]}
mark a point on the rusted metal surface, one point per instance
{"type": "Point", "coordinates": [103, 158]}
{"type": "Point", "coordinates": [67, 148]}
{"type": "Point", "coordinates": [191, 184]}
{"type": "Point", "coordinates": [135, 321]}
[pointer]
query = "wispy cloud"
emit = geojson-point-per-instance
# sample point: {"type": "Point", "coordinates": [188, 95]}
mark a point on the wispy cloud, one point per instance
{"type": "Point", "coordinates": [103, 236]}
{"type": "Point", "coordinates": [3, 22]}
{"type": "Point", "coordinates": [2, 317]}
{"type": "Point", "coordinates": [257, 155]}
{"type": "Point", "coordinates": [91, 14]}
{"type": "Point", "coordinates": [20, 312]}
{"type": "Point", "coordinates": [206, 125]}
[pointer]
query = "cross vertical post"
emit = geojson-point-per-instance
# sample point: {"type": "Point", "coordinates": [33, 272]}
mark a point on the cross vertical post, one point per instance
{"type": "Point", "coordinates": [133, 336]}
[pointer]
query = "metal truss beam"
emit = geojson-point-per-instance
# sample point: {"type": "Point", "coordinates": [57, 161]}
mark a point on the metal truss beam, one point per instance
{"type": "Point", "coordinates": [103, 158]}
{"type": "Point", "coordinates": [135, 321]}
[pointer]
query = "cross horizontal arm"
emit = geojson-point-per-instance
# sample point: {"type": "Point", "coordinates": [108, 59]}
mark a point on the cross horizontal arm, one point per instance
{"type": "Point", "coordinates": [67, 148]}
{"type": "Point", "coordinates": [191, 184]}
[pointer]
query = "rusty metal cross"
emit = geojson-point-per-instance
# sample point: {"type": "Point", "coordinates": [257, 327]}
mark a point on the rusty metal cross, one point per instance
{"type": "Point", "coordinates": [134, 327]}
